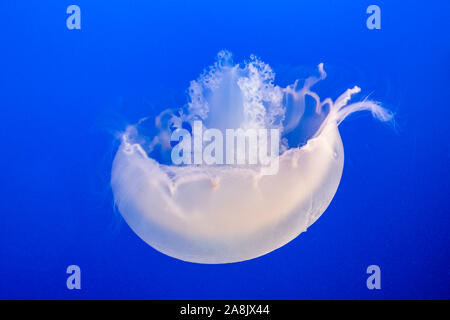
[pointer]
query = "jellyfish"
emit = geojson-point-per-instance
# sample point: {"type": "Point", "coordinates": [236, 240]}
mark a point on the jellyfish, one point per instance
{"type": "Point", "coordinates": [223, 213]}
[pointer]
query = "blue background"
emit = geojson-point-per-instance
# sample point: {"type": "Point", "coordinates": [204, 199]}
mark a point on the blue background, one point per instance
{"type": "Point", "coordinates": [64, 96]}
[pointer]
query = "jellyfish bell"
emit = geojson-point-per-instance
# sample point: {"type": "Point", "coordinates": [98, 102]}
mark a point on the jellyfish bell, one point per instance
{"type": "Point", "coordinates": [228, 213]}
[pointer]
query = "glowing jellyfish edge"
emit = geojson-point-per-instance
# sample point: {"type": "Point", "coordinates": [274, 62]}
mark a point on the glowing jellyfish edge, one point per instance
{"type": "Point", "coordinates": [220, 214]}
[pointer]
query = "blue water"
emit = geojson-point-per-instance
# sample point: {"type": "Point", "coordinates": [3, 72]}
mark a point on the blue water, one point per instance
{"type": "Point", "coordinates": [65, 94]}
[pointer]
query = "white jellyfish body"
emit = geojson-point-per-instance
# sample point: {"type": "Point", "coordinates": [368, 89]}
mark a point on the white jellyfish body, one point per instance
{"type": "Point", "coordinates": [220, 213]}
